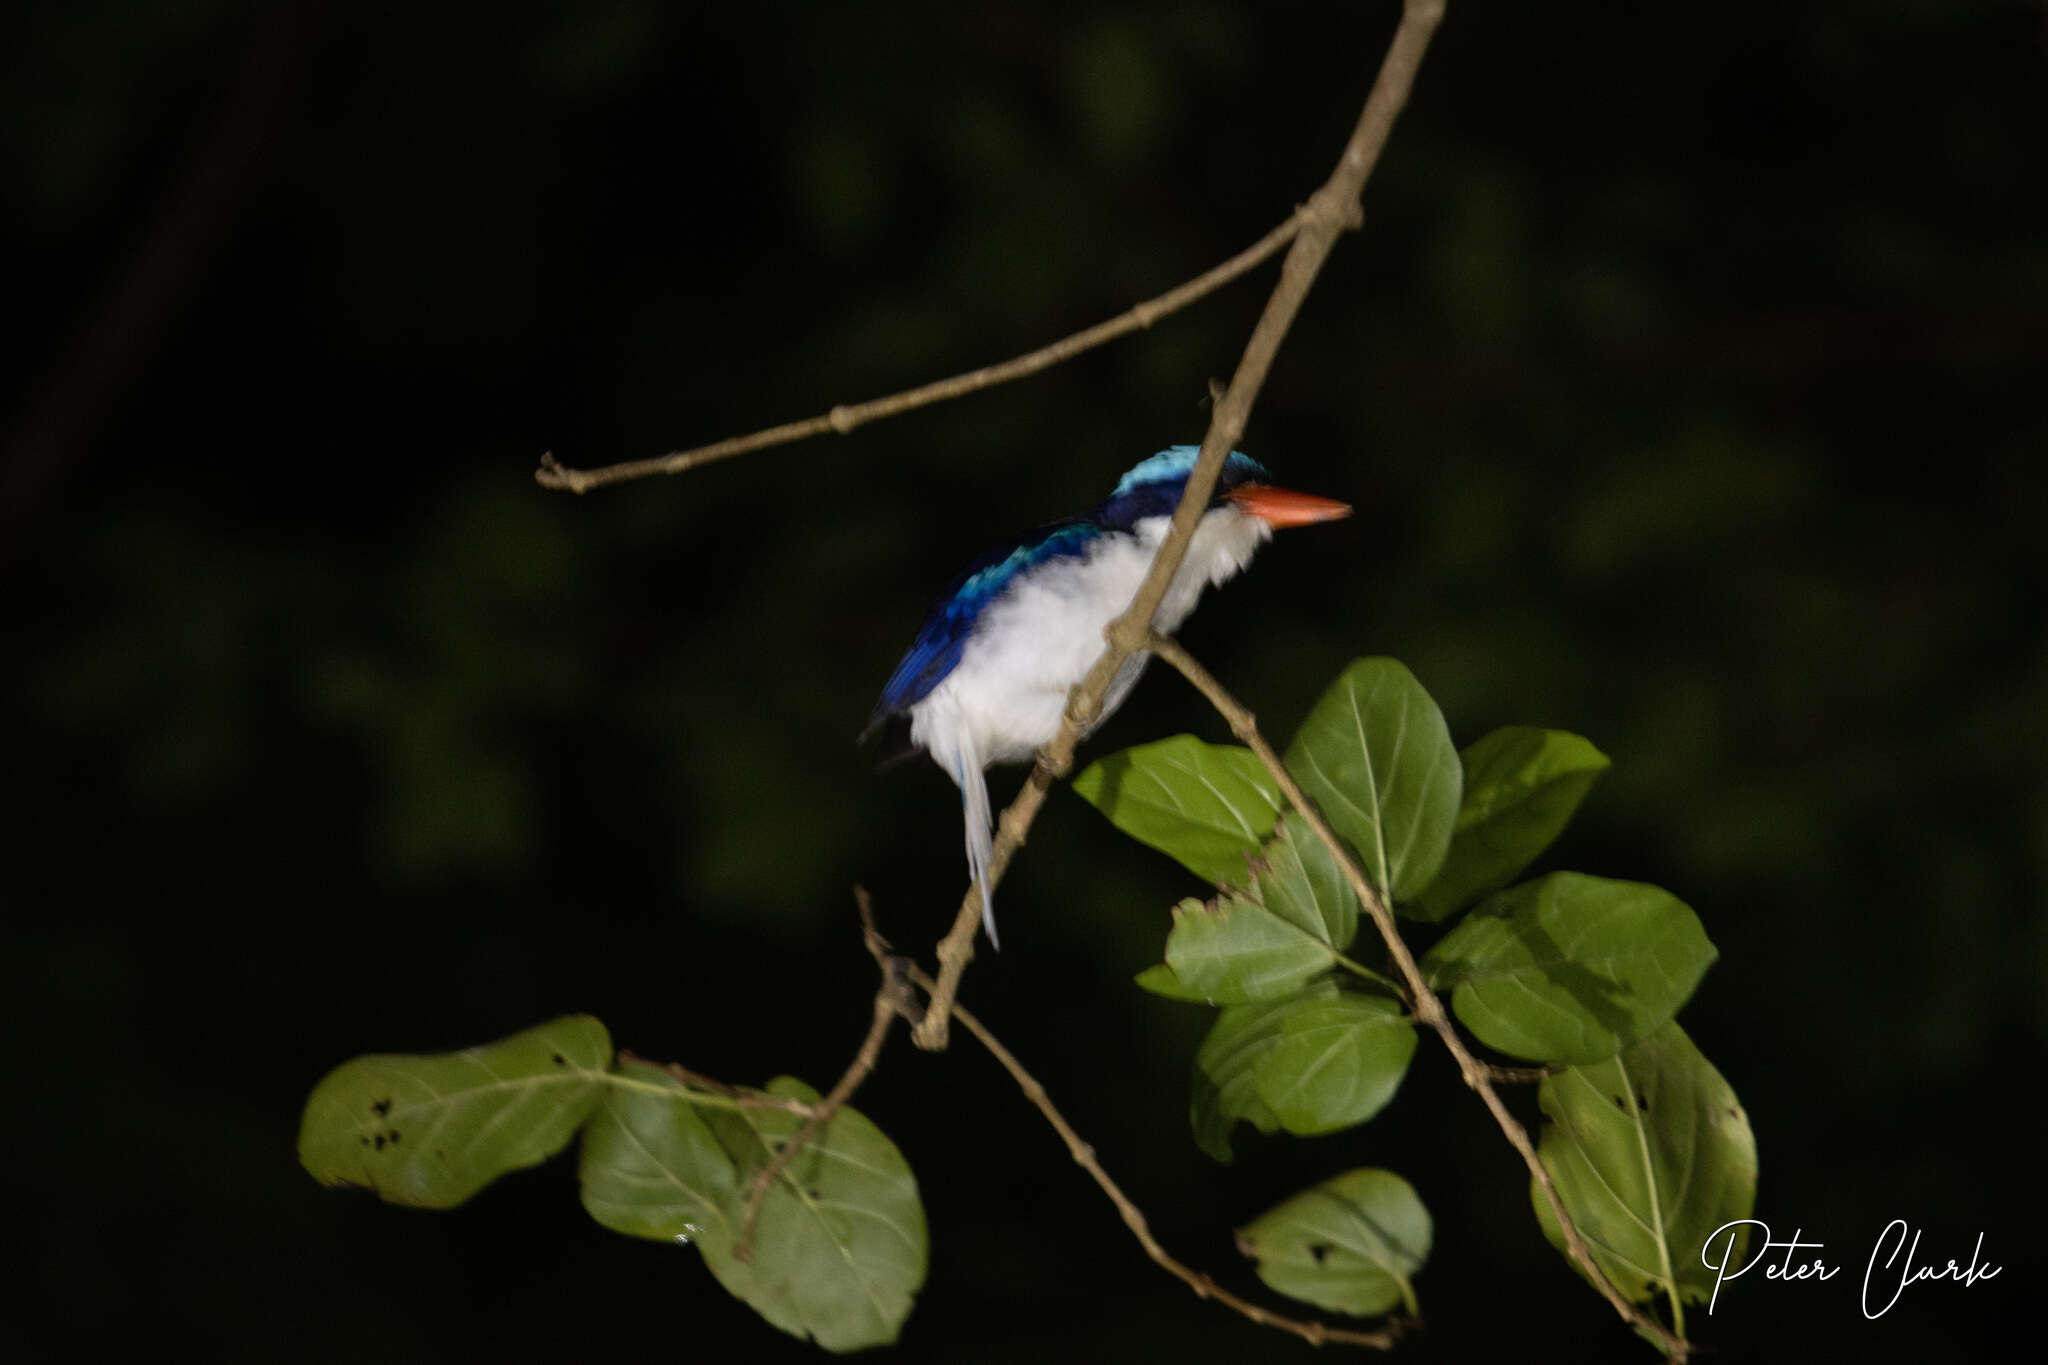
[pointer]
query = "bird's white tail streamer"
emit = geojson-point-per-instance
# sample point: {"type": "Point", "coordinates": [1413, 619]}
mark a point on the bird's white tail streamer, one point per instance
{"type": "Point", "coordinates": [980, 827]}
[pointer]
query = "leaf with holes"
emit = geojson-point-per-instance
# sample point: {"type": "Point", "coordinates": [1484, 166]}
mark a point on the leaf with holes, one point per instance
{"type": "Point", "coordinates": [1208, 806]}
{"type": "Point", "coordinates": [1652, 1155]}
{"type": "Point", "coordinates": [1324, 1060]}
{"type": "Point", "coordinates": [840, 1250]}
{"type": "Point", "coordinates": [1351, 1244]}
{"type": "Point", "coordinates": [1376, 758]}
{"type": "Point", "coordinates": [1522, 785]}
{"type": "Point", "coordinates": [432, 1130]}
{"type": "Point", "coordinates": [1570, 968]}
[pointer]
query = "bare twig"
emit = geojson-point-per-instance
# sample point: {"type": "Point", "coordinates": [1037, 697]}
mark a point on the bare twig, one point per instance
{"type": "Point", "coordinates": [1427, 1007]}
{"type": "Point", "coordinates": [1329, 211]}
{"type": "Point", "coordinates": [1315, 1333]}
{"type": "Point", "coordinates": [844, 418]}
{"type": "Point", "coordinates": [890, 1000]}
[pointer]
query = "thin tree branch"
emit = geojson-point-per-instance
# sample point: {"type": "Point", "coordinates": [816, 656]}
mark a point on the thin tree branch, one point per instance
{"type": "Point", "coordinates": [845, 417]}
{"type": "Point", "coordinates": [1422, 1000]}
{"type": "Point", "coordinates": [1315, 1333]}
{"type": "Point", "coordinates": [890, 998]}
{"type": "Point", "coordinates": [1329, 211]}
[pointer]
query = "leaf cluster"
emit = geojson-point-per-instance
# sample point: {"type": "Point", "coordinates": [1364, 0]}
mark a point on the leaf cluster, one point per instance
{"type": "Point", "coordinates": [1648, 1148]}
{"type": "Point", "coordinates": [1646, 1145]}
{"type": "Point", "coordinates": [839, 1249]}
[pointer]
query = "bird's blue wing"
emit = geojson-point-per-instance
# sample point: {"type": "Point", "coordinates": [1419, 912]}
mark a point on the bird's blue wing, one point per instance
{"type": "Point", "coordinates": [954, 616]}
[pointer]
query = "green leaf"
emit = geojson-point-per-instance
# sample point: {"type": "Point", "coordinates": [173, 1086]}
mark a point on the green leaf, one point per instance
{"type": "Point", "coordinates": [840, 1250]}
{"type": "Point", "coordinates": [1652, 1155]}
{"type": "Point", "coordinates": [1522, 785]}
{"type": "Point", "coordinates": [1224, 1088]}
{"type": "Point", "coordinates": [1335, 1063]}
{"type": "Point", "coordinates": [1205, 805]}
{"type": "Point", "coordinates": [1295, 877]}
{"type": "Point", "coordinates": [1376, 758]}
{"type": "Point", "coordinates": [1324, 1060]}
{"type": "Point", "coordinates": [1350, 1245]}
{"type": "Point", "coordinates": [1232, 951]}
{"type": "Point", "coordinates": [651, 1167]}
{"type": "Point", "coordinates": [1570, 968]}
{"type": "Point", "coordinates": [1240, 948]}
{"type": "Point", "coordinates": [432, 1130]}
{"type": "Point", "coordinates": [1160, 980]}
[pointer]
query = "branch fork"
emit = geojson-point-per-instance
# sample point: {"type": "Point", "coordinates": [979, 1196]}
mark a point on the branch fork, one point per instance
{"type": "Point", "coordinates": [1309, 232]}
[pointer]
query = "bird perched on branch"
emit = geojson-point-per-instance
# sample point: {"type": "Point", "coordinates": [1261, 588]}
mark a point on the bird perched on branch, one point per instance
{"type": "Point", "coordinates": [987, 678]}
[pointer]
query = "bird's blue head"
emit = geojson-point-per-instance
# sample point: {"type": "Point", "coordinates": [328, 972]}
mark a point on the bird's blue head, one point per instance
{"type": "Point", "coordinates": [1152, 488]}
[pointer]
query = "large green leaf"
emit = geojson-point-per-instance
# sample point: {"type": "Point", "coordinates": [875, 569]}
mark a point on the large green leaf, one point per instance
{"type": "Point", "coordinates": [1351, 1244]}
{"type": "Point", "coordinates": [431, 1130]}
{"type": "Point", "coordinates": [840, 1250]}
{"type": "Point", "coordinates": [1206, 805]}
{"type": "Point", "coordinates": [1570, 968]}
{"type": "Point", "coordinates": [1522, 785]}
{"type": "Point", "coordinates": [1324, 1060]}
{"type": "Point", "coordinates": [1652, 1155]}
{"type": "Point", "coordinates": [1376, 758]}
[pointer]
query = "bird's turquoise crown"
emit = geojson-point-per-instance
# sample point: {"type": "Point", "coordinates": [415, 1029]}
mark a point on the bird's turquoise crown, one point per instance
{"type": "Point", "coordinates": [1175, 463]}
{"type": "Point", "coordinates": [1153, 487]}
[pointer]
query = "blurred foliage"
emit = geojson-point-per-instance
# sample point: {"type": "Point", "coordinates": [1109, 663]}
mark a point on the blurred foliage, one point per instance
{"type": "Point", "coordinates": [1686, 375]}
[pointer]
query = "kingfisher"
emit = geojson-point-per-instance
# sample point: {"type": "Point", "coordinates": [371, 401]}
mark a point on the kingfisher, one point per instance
{"type": "Point", "coordinates": [986, 680]}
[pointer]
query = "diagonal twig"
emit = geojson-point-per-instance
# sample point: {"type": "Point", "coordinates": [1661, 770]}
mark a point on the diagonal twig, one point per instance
{"type": "Point", "coordinates": [1314, 1333]}
{"type": "Point", "coordinates": [890, 1000]}
{"type": "Point", "coordinates": [1427, 1007]}
{"type": "Point", "coordinates": [1329, 212]}
{"type": "Point", "coordinates": [845, 417]}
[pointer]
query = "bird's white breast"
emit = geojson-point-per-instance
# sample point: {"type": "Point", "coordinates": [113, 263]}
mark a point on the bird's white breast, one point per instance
{"type": "Point", "coordinates": [1038, 639]}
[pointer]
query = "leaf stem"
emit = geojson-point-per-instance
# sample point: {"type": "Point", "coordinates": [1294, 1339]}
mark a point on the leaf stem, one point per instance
{"type": "Point", "coordinates": [703, 1098]}
{"type": "Point", "coordinates": [1664, 1269]}
{"type": "Point", "coordinates": [1370, 975]}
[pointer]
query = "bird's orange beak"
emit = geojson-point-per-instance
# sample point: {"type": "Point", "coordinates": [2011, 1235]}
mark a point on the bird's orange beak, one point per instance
{"type": "Point", "coordinates": [1280, 508]}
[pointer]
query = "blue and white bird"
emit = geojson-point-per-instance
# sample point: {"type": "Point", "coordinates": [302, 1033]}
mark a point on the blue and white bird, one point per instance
{"type": "Point", "coordinates": [987, 678]}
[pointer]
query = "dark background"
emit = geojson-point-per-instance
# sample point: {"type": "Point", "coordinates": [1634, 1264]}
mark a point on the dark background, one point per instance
{"type": "Point", "coordinates": [1688, 378]}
